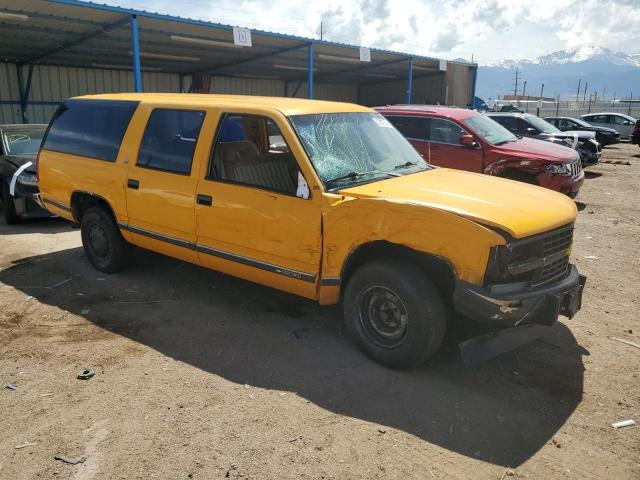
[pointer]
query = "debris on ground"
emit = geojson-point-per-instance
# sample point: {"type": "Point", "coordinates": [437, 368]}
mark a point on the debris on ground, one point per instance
{"type": "Point", "coordinates": [86, 374]}
{"type": "Point", "coordinates": [626, 342]}
{"type": "Point", "coordinates": [623, 423]}
{"type": "Point", "coordinates": [591, 257]}
{"type": "Point", "coordinates": [24, 445]}
{"type": "Point", "coordinates": [85, 311]}
{"type": "Point", "coordinates": [11, 386]}
{"type": "Point", "coordinates": [71, 460]}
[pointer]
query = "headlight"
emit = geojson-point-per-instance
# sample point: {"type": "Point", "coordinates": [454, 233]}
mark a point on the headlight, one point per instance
{"type": "Point", "coordinates": [29, 179]}
{"type": "Point", "coordinates": [558, 169]}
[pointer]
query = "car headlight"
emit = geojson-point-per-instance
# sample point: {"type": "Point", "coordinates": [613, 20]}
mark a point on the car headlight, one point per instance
{"type": "Point", "coordinates": [558, 169]}
{"type": "Point", "coordinates": [29, 179]}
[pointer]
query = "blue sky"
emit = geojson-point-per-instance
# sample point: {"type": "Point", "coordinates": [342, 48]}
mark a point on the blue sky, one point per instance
{"type": "Point", "coordinates": [491, 30]}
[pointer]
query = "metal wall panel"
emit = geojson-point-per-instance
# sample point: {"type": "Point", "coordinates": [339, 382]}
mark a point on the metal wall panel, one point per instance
{"type": "Point", "coordinates": [326, 91]}
{"type": "Point", "coordinates": [9, 92]}
{"type": "Point", "coordinates": [50, 85]}
{"type": "Point", "coordinates": [429, 90]}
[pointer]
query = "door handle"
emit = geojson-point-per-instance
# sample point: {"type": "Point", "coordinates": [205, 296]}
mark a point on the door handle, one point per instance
{"type": "Point", "coordinates": [133, 184]}
{"type": "Point", "coordinates": [204, 200]}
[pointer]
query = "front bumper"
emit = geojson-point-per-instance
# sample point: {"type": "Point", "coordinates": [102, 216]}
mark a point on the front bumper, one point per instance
{"type": "Point", "coordinates": [540, 305]}
{"type": "Point", "coordinates": [562, 183]}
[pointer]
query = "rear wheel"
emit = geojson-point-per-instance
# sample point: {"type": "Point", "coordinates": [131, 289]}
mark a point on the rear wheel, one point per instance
{"type": "Point", "coordinates": [8, 207]}
{"type": "Point", "coordinates": [102, 241]}
{"type": "Point", "coordinates": [394, 313]}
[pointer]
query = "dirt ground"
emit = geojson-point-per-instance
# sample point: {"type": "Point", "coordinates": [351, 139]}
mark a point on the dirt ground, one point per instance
{"type": "Point", "coordinates": [200, 375]}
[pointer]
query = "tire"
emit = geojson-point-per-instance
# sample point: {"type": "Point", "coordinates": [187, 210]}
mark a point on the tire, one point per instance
{"type": "Point", "coordinates": [102, 241]}
{"type": "Point", "coordinates": [385, 288]}
{"type": "Point", "coordinates": [8, 207]}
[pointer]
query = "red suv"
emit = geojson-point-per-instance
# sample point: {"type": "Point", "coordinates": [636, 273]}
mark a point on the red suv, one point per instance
{"type": "Point", "coordinates": [467, 140]}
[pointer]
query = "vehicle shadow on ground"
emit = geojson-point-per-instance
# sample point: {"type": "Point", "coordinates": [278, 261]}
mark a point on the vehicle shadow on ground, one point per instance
{"type": "Point", "coordinates": [580, 205]}
{"type": "Point", "coordinates": [35, 225]}
{"type": "Point", "coordinates": [502, 411]}
{"type": "Point", "coordinates": [588, 174]}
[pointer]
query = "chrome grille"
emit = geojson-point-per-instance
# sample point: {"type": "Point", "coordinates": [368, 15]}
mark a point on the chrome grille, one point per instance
{"type": "Point", "coordinates": [552, 244]}
{"type": "Point", "coordinates": [575, 168]}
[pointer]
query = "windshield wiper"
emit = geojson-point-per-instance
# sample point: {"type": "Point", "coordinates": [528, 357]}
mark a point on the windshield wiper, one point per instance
{"type": "Point", "coordinates": [353, 175]}
{"type": "Point", "coordinates": [405, 165]}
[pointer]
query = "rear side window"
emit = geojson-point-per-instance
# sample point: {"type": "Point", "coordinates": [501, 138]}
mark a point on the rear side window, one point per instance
{"type": "Point", "coordinates": [90, 128]}
{"type": "Point", "coordinates": [411, 127]}
{"type": "Point", "coordinates": [169, 140]}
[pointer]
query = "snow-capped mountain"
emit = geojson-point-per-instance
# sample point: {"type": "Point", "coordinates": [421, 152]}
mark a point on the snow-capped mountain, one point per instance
{"type": "Point", "coordinates": [602, 69]}
{"type": "Point", "coordinates": [576, 55]}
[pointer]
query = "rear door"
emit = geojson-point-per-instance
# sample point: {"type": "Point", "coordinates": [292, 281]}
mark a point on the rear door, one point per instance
{"type": "Point", "coordinates": [445, 150]}
{"type": "Point", "coordinates": [161, 182]}
{"type": "Point", "coordinates": [415, 129]}
{"type": "Point", "coordinates": [623, 125]}
{"type": "Point", "coordinates": [258, 215]}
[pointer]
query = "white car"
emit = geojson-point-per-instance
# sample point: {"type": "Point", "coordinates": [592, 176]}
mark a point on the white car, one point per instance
{"type": "Point", "coordinates": [618, 121]}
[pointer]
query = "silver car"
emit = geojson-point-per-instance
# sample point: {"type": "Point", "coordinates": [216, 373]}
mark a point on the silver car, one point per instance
{"type": "Point", "coordinates": [618, 121]}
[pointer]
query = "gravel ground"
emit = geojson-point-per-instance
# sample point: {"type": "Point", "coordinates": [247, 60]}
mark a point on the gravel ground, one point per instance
{"type": "Point", "coordinates": [200, 375]}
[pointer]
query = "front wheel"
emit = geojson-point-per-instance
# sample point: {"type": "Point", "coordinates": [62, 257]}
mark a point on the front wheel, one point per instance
{"type": "Point", "coordinates": [394, 313]}
{"type": "Point", "coordinates": [102, 241]}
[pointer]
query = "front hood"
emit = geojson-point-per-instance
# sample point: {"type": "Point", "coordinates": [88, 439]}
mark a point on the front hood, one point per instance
{"type": "Point", "coordinates": [19, 160]}
{"type": "Point", "coordinates": [515, 207]}
{"type": "Point", "coordinates": [531, 148]}
{"type": "Point", "coordinates": [570, 134]}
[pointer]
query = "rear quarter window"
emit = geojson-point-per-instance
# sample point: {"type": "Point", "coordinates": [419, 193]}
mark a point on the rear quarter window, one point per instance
{"type": "Point", "coordinates": [90, 128]}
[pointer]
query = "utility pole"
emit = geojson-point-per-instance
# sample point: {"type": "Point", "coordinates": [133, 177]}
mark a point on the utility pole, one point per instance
{"type": "Point", "coordinates": [630, 100]}
{"type": "Point", "coordinates": [540, 101]}
{"type": "Point", "coordinates": [604, 89]}
{"type": "Point", "coordinates": [320, 29]}
{"type": "Point", "coordinates": [584, 97]}
{"type": "Point", "coordinates": [578, 94]}
{"type": "Point", "coordinates": [515, 85]}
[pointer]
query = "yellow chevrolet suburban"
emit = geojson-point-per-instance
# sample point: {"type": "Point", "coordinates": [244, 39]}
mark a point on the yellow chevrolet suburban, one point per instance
{"type": "Point", "coordinates": [324, 200]}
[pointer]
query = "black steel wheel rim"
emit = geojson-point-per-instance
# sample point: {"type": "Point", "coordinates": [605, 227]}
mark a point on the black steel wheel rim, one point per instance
{"type": "Point", "coordinates": [98, 240]}
{"type": "Point", "coordinates": [383, 316]}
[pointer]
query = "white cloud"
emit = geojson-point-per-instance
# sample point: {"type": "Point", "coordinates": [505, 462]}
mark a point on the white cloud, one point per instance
{"type": "Point", "coordinates": [489, 29]}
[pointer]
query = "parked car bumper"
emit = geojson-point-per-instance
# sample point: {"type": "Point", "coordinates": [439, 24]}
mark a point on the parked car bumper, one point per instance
{"type": "Point", "coordinates": [562, 183]}
{"type": "Point", "coordinates": [27, 203]}
{"type": "Point", "coordinates": [541, 305]}
{"type": "Point", "coordinates": [635, 138]}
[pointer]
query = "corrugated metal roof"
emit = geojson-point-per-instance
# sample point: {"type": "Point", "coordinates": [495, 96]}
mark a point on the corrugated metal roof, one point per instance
{"type": "Point", "coordinates": [85, 34]}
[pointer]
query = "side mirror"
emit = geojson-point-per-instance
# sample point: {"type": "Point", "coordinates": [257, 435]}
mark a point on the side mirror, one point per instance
{"type": "Point", "coordinates": [467, 140]}
{"type": "Point", "coordinates": [532, 131]}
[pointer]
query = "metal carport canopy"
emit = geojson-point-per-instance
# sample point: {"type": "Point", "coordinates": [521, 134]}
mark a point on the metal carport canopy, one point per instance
{"type": "Point", "coordinates": [84, 34]}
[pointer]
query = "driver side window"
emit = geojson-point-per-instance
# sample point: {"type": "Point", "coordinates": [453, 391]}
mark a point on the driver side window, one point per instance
{"type": "Point", "coordinates": [444, 131]}
{"type": "Point", "coordinates": [251, 150]}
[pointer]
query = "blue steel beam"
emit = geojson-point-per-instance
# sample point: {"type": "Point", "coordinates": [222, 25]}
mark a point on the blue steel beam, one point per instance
{"type": "Point", "coordinates": [409, 81]}
{"type": "Point", "coordinates": [473, 87]}
{"type": "Point", "coordinates": [360, 68]}
{"type": "Point", "coordinates": [203, 23]}
{"type": "Point", "coordinates": [258, 56]}
{"type": "Point", "coordinates": [310, 71]}
{"type": "Point", "coordinates": [101, 30]}
{"type": "Point", "coordinates": [135, 44]}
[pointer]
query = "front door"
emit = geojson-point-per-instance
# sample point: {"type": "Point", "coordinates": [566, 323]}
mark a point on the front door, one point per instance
{"type": "Point", "coordinates": [161, 182]}
{"type": "Point", "coordinates": [257, 217]}
{"type": "Point", "coordinates": [445, 150]}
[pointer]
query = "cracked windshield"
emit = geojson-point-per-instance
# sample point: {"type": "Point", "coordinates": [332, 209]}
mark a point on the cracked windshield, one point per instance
{"type": "Point", "coordinates": [349, 148]}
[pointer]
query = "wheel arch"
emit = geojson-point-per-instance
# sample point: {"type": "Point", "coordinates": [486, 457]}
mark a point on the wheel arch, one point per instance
{"type": "Point", "coordinates": [82, 200]}
{"type": "Point", "coordinates": [438, 269]}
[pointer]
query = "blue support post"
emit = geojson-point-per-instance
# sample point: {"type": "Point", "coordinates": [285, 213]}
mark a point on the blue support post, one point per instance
{"type": "Point", "coordinates": [473, 88]}
{"type": "Point", "coordinates": [310, 71]}
{"type": "Point", "coordinates": [137, 75]}
{"type": "Point", "coordinates": [24, 91]}
{"type": "Point", "coordinates": [409, 81]}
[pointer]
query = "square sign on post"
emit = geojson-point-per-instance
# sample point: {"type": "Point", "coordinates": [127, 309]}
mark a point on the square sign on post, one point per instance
{"type": "Point", "coordinates": [242, 36]}
{"type": "Point", "coordinates": [365, 54]}
{"type": "Point", "coordinates": [443, 65]}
